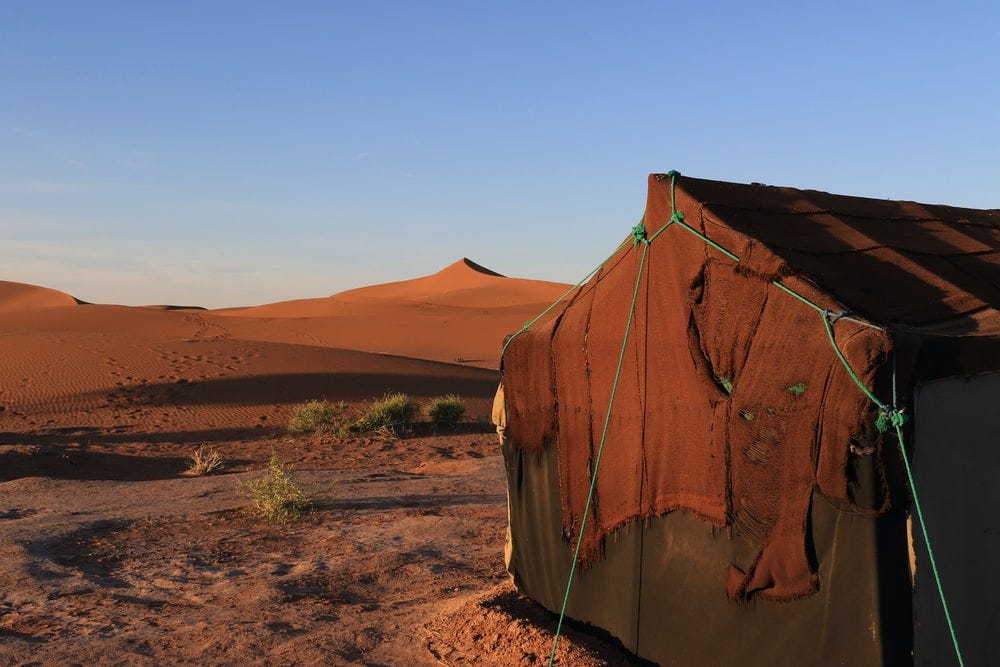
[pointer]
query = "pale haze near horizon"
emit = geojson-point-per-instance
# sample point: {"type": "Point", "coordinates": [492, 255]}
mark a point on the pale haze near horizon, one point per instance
{"type": "Point", "coordinates": [241, 153]}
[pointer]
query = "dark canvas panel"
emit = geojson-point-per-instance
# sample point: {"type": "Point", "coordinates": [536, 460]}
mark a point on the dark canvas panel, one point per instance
{"type": "Point", "coordinates": [608, 594]}
{"type": "Point", "coordinates": [657, 589]}
{"type": "Point", "coordinates": [956, 439]}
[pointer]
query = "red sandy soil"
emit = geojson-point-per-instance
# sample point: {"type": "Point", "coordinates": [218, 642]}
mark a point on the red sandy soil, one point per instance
{"type": "Point", "coordinates": [110, 555]}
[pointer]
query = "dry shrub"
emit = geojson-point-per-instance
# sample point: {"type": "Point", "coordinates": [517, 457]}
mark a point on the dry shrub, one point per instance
{"type": "Point", "coordinates": [204, 461]}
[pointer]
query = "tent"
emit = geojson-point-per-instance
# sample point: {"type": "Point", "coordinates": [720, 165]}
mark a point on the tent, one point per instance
{"type": "Point", "coordinates": [740, 374]}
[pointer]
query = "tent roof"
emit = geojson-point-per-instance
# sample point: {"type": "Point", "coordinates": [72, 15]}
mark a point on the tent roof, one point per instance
{"type": "Point", "coordinates": [918, 266]}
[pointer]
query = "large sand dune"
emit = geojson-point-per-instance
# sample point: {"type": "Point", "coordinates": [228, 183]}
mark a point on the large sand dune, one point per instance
{"type": "Point", "coordinates": [459, 314]}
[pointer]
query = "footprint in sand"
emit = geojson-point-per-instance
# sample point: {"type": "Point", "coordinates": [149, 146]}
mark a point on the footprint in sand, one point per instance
{"type": "Point", "coordinates": [205, 329]}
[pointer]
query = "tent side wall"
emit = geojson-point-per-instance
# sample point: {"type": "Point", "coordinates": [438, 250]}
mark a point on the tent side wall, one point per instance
{"type": "Point", "coordinates": [539, 559]}
{"type": "Point", "coordinates": [955, 465]}
{"type": "Point", "coordinates": [660, 588]}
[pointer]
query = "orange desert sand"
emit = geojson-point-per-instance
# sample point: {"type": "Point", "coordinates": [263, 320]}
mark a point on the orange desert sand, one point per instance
{"type": "Point", "coordinates": [112, 556]}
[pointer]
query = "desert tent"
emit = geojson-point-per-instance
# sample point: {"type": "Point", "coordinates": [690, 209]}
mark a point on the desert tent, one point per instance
{"type": "Point", "coordinates": [739, 372]}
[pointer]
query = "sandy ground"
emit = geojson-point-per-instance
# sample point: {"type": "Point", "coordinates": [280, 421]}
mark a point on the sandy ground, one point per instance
{"type": "Point", "coordinates": [110, 555]}
{"type": "Point", "coordinates": [397, 564]}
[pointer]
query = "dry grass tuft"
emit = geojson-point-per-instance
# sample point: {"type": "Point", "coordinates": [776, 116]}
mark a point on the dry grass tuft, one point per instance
{"type": "Point", "coordinates": [204, 461]}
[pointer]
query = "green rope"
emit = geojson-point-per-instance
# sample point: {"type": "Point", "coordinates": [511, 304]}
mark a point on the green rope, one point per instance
{"type": "Point", "coordinates": [529, 324]}
{"type": "Point", "coordinates": [600, 452]}
{"type": "Point", "coordinates": [639, 235]}
{"type": "Point", "coordinates": [927, 541]}
{"type": "Point", "coordinates": [675, 215]}
{"type": "Point", "coordinates": [890, 417]}
{"type": "Point", "coordinates": [839, 316]}
{"type": "Point", "coordinates": [798, 296]}
{"type": "Point", "coordinates": [673, 174]}
{"type": "Point", "coordinates": [850, 371]}
{"type": "Point", "coordinates": [708, 240]}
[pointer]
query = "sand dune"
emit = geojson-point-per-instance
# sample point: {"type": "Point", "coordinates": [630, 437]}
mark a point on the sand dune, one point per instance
{"type": "Point", "coordinates": [463, 284]}
{"type": "Point", "coordinates": [20, 296]}
{"type": "Point", "coordinates": [140, 371]}
{"type": "Point", "coordinates": [459, 314]}
{"type": "Point", "coordinates": [74, 369]}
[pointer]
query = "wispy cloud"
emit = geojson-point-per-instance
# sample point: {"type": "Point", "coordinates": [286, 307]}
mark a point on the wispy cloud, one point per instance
{"type": "Point", "coordinates": [139, 160]}
{"type": "Point", "coordinates": [67, 150]}
{"type": "Point", "coordinates": [49, 145]}
{"type": "Point", "coordinates": [37, 186]}
{"type": "Point", "coordinates": [21, 226]}
{"type": "Point", "coordinates": [143, 272]}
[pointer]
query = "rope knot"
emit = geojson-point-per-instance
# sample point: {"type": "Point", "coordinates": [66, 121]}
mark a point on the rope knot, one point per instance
{"type": "Point", "coordinates": [890, 418]}
{"type": "Point", "coordinates": [673, 173]}
{"type": "Point", "coordinates": [678, 216]}
{"type": "Point", "coordinates": [832, 317]}
{"type": "Point", "coordinates": [639, 235]}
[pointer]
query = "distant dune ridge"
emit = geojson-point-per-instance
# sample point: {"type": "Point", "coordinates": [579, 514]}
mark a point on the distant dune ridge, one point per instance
{"type": "Point", "coordinates": [463, 284]}
{"type": "Point", "coordinates": [67, 366]}
{"type": "Point", "coordinates": [20, 296]}
{"type": "Point", "coordinates": [460, 313]}
{"type": "Point", "coordinates": [470, 282]}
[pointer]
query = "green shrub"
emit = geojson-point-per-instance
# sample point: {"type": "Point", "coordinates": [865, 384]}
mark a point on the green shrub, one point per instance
{"type": "Point", "coordinates": [446, 411]}
{"type": "Point", "coordinates": [318, 417]}
{"type": "Point", "coordinates": [393, 413]}
{"type": "Point", "coordinates": [275, 496]}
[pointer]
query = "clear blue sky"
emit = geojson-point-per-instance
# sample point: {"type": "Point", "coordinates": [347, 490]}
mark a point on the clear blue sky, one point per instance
{"type": "Point", "coordinates": [230, 153]}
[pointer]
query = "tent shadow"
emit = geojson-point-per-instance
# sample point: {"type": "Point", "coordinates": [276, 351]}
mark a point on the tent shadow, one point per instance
{"type": "Point", "coordinates": [72, 463]}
